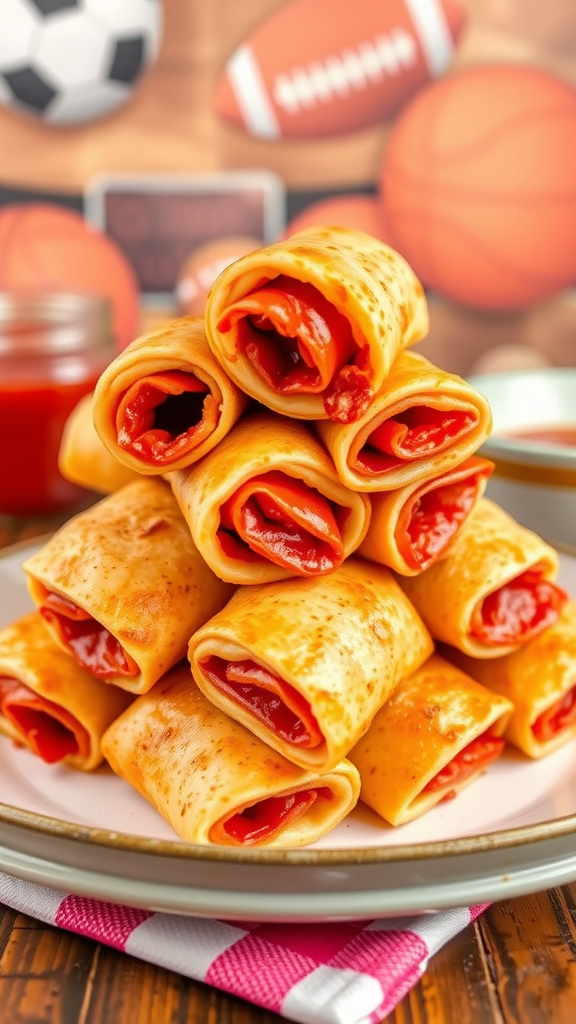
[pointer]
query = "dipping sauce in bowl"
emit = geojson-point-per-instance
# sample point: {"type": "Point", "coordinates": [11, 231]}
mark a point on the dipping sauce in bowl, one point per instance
{"type": "Point", "coordinates": [533, 446]}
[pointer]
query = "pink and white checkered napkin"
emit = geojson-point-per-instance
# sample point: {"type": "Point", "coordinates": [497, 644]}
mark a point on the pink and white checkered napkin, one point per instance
{"type": "Point", "coordinates": [336, 973]}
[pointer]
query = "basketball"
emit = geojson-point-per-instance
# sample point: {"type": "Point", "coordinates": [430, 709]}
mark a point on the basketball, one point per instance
{"type": "Point", "coordinates": [51, 249]}
{"type": "Point", "coordinates": [361, 212]}
{"type": "Point", "coordinates": [479, 186]}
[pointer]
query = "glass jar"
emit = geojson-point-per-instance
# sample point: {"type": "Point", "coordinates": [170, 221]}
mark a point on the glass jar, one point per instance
{"type": "Point", "coordinates": [53, 348]}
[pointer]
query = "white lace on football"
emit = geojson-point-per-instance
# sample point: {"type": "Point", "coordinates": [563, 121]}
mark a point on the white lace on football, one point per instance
{"type": "Point", "coordinates": [250, 92]}
{"type": "Point", "coordinates": [352, 70]}
{"type": "Point", "coordinates": [433, 32]}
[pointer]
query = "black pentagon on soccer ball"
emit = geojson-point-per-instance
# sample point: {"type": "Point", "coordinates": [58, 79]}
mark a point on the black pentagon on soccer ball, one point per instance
{"type": "Point", "coordinates": [127, 60]}
{"type": "Point", "coordinates": [31, 90]}
{"type": "Point", "coordinates": [51, 6]}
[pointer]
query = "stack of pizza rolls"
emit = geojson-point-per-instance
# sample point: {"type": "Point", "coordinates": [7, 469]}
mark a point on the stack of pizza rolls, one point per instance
{"type": "Point", "coordinates": [118, 590]}
{"type": "Point", "coordinates": [300, 587]}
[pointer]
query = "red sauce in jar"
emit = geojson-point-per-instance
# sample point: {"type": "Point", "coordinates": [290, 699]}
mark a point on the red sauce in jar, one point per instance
{"type": "Point", "coordinates": [32, 419]}
{"type": "Point", "coordinates": [52, 350]}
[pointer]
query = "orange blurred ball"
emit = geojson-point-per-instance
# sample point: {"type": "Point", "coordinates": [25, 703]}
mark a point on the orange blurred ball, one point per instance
{"type": "Point", "coordinates": [363, 213]}
{"type": "Point", "coordinates": [206, 264]}
{"type": "Point", "coordinates": [51, 249]}
{"type": "Point", "coordinates": [479, 183]}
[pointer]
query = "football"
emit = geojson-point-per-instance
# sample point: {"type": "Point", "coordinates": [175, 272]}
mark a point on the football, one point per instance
{"type": "Point", "coordinates": [68, 61]}
{"type": "Point", "coordinates": [327, 67]}
{"type": "Point", "coordinates": [203, 267]}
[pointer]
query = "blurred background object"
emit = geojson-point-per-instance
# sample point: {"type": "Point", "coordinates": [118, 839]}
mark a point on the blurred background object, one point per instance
{"type": "Point", "coordinates": [479, 184]}
{"type": "Point", "coordinates": [67, 62]}
{"type": "Point", "coordinates": [460, 335]}
{"type": "Point", "coordinates": [158, 221]}
{"type": "Point", "coordinates": [509, 357]}
{"type": "Point", "coordinates": [203, 267]}
{"type": "Point", "coordinates": [365, 213]}
{"type": "Point", "coordinates": [53, 348]}
{"type": "Point", "coordinates": [340, 94]}
{"type": "Point", "coordinates": [316, 68]}
{"type": "Point", "coordinates": [533, 447]}
{"type": "Point", "coordinates": [44, 248]}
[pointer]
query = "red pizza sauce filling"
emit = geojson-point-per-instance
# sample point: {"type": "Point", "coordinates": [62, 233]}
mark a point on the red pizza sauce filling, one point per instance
{"type": "Point", "coordinates": [474, 758]}
{"type": "Point", "coordinates": [519, 610]}
{"type": "Point", "coordinates": [93, 647]}
{"type": "Point", "coordinates": [431, 518]}
{"type": "Point", "coordinates": [50, 731]}
{"type": "Point", "coordinates": [281, 519]}
{"type": "Point", "coordinates": [413, 434]}
{"type": "Point", "coordinates": [268, 817]}
{"type": "Point", "coordinates": [299, 343]}
{"type": "Point", "coordinates": [559, 716]}
{"type": "Point", "coordinates": [164, 416]}
{"type": "Point", "coordinates": [269, 699]}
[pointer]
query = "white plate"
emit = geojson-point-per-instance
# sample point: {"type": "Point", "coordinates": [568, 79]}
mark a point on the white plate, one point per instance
{"type": "Point", "coordinates": [511, 832]}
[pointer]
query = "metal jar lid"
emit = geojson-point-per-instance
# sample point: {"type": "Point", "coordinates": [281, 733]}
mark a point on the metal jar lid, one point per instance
{"type": "Point", "coordinates": [37, 323]}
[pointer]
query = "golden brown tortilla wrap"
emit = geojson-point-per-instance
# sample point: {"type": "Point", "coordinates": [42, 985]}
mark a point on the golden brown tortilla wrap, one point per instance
{"type": "Point", "coordinates": [47, 702]}
{"type": "Point", "coordinates": [122, 586]}
{"type": "Point", "coordinates": [266, 504]}
{"type": "Point", "coordinates": [413, 527]}
{"type": "Point", "coordinates": [422, 422]}
{"type": "Point", "coordinates": [214, 781]}
{"type": "Point", "coordinates": [306, 663]}
{"type": "Point", "coordinates": [437, 732]}
{"type": "Point", "coordinates": [164, 402]}
{"type": "Point", "coordinates": [84, 459]}
{"type": "Point", "coordinates": [311, 325]}
{"type": "Point", "coordinates": [540, 681]}
{"type": "Point", "coordinates": [494, 590]}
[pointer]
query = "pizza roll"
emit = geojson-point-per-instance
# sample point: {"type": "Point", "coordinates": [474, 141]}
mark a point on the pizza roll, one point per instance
{"type": "Point", "coordinates": [413, 527]}
{"type": "Point", "coordinates": [421, 422]}
{"type": "Point", "coordinates": [437, 732]}
{"type": "Point", "coordinates": [306, 663]}
{"type": "Point", "coordinates": [122, 586]}
{"type": "Point", "coordinates": [84, 459]}
{"type": "Point", "coordinates": [165, 401]}
{"type": "Point", "coordinates": [311, 325]}
{"type": "Point", "coordinates": [494, 590]}
{"type": "Point", "coordinates": [540, 681]}
{"type": "Point", "coordinates": [213, 780]}
{"type": "Point", "coordinates": [266, 504]}
{"type": "Point", "coordinates": [47, 702]}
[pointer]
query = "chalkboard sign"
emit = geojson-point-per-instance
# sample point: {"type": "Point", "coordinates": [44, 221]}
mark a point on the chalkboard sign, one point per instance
{"type": "Point", "coordinates": [158, 221]}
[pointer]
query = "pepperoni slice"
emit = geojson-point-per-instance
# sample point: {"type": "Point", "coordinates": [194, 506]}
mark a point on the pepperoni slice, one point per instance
{"type": "Point", "coordinates": [474, 758]}
{"type": "Point", "coordinates": [281, 519]}
{"type": "Point", "coordinates": [268, 698]}
{"type": "Point", "coordinates": [165, 415]}
{"type": "Point", "coordinates": [431, 519]}
{"type": "Point", "coordinates": [518, 611]}
{"type": "Point", "coordinates": [93, 647]}
{"type": "Point", "coordinates": [50, 730]}
{"type": "Point", "coordinates": [268, 817]}
{"type": "Point", "coordinates": [559, 716]}
{"type": "Point", "coordinates": [299, 343]}
{"type": "Point", "coordinates": [411, 435]}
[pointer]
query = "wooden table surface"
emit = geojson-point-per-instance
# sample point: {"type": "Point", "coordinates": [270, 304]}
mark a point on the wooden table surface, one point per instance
{"type": "Point", "coordinates": [515, 965]}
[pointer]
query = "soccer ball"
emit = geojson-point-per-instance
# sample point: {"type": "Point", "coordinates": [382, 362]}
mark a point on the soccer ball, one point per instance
{"type": "Point", "coordinates": [67, 61]}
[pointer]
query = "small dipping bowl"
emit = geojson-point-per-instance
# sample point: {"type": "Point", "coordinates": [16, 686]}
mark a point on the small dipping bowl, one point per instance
{"type": "Point", "coordinates": [533, 446]}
